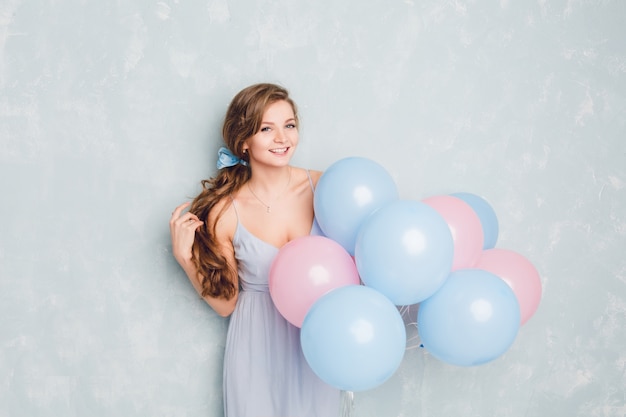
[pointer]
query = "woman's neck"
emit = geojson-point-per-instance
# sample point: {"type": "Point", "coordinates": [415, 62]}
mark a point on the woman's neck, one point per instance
{"type": "Point", "coordinates": [271, 180]}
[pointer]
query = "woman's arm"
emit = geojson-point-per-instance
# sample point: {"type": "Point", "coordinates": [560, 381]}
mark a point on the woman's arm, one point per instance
{"type": "Point", "coordinates": [182, 229]}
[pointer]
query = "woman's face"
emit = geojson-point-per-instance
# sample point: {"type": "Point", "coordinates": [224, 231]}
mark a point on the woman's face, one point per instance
{"type": "Point", "coordinates": [276, 140]}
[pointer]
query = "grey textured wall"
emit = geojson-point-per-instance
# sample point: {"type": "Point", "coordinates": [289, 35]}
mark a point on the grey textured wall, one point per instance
{"type": "Point", "coordinates": [110, 114]}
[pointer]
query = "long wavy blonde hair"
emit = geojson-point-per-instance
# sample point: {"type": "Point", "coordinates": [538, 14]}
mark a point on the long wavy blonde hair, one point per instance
{"type": "Point", "coordinates": [243, 120]}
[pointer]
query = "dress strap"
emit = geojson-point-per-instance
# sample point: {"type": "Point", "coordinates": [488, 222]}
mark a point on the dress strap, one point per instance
{"type": "Point", "coordinates": [232, 201]}
{"type": "Point", "coordinates": [308, 174]}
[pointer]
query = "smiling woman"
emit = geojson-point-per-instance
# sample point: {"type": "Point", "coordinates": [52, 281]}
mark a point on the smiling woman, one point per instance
{"type": "Point", "coordinates": [274, 144]}
{"type": "Point", "coordinates": [227, 241]}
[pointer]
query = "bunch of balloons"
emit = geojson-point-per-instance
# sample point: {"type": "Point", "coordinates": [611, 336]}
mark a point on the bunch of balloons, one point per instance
{"type": "Point", "coordinates": [375, 252]}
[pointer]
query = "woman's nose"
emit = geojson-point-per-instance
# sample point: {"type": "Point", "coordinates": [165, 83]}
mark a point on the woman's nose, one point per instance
{"type": "Point", "coordinates": [280, 136]}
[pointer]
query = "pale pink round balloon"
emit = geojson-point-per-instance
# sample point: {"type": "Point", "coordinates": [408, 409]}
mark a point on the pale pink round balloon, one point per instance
{"type": "Point", "coordinates": [305, 269]}
{"type": "Point", "coordinates": [465, 226]}
{"type": "Point", "coordinates": [519, 273]}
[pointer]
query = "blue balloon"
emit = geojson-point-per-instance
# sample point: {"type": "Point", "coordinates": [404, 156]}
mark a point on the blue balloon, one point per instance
{"type": "Point", "coordinates": [346, 193]}
{"type": "Point", "coordinates": [404, 250]}
{"type": "Point", "coordinates": [353, 338]}
{"type": "Point", "coordinates": [487, 216]}
{"type": "Point", "coordinates": [471, 320]}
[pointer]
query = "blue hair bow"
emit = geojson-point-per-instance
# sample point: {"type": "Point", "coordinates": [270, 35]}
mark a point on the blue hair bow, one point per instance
{"type": "Point", "coordinates": [225, 158]}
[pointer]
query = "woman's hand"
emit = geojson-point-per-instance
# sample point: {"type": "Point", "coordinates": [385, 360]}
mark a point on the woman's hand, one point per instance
{"type": "Point", "coordinates": [183, 229]}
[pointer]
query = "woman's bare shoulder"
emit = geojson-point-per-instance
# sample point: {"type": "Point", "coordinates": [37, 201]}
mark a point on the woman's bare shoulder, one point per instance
{"type": "Point", "coordinates": [304, 174]}
{"type": "Point", "coordinates": [315, 175]}
{"type": "Point", "coordinates": [224, 218]}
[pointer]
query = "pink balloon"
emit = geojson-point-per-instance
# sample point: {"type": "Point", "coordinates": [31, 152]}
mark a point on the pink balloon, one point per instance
{"type": "Point", "coordinates": [465, 226]}
{"type": "Point", "coordinates": [305, 269]}
{"type": "Point", "coordinates": [519, 273]}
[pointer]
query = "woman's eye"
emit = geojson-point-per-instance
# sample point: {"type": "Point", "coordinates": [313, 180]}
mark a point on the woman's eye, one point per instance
{"type": "Point", "coordinates": [265, 129]}
{"type": "Point", "coordinates": [291, 126]}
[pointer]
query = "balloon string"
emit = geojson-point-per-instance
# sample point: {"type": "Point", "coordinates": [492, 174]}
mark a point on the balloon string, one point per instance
{"type": "Point", "coordinates": [415, 347]}
{"type": "Point", "coordinates": [347, 403]}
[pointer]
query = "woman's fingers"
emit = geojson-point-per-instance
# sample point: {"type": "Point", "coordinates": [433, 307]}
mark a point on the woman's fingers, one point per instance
{"type": "Point", "coordinates": [183, 227]}
{"type": "Point", "coordinates": [194, 224]}
{"type": "Point", "coordinates": [178, 210]}
{"type": "Point", "coordinates": [187, 220]}
{"type": "Point", "coordinates": [179, 219]}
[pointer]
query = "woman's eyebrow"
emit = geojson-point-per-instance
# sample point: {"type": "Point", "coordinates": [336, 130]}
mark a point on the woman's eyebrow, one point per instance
{"type": "Point", "coordinates": [291, 119]}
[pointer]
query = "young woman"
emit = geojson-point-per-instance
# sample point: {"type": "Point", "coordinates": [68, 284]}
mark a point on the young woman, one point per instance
{"type": "Point", "coordinates": [226, 242]}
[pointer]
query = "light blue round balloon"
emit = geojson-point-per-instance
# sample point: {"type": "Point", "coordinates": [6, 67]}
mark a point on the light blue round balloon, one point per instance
{"type": "Point", "coordinates": [473, 318]}
{"type": "Point", "coordinates": [487, 216]}
{"type": "Point", "coordinates": [353, 338]}
{"type": "Point", "coordinates": [404, 250]}
{"type": "Point", "coordinates": [347, 192]}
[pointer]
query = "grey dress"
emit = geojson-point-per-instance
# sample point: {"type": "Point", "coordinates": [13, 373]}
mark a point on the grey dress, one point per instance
{"type": "Point", "coordinates": [265, 372]}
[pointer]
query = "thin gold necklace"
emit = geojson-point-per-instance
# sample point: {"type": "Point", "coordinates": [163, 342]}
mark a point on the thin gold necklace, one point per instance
{"type": "Point", "coordinates": [267, 206]}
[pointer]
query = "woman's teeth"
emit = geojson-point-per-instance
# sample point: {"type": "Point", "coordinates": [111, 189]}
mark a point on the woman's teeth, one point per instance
{"type": "Point", "coordinates": [281, 150]}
